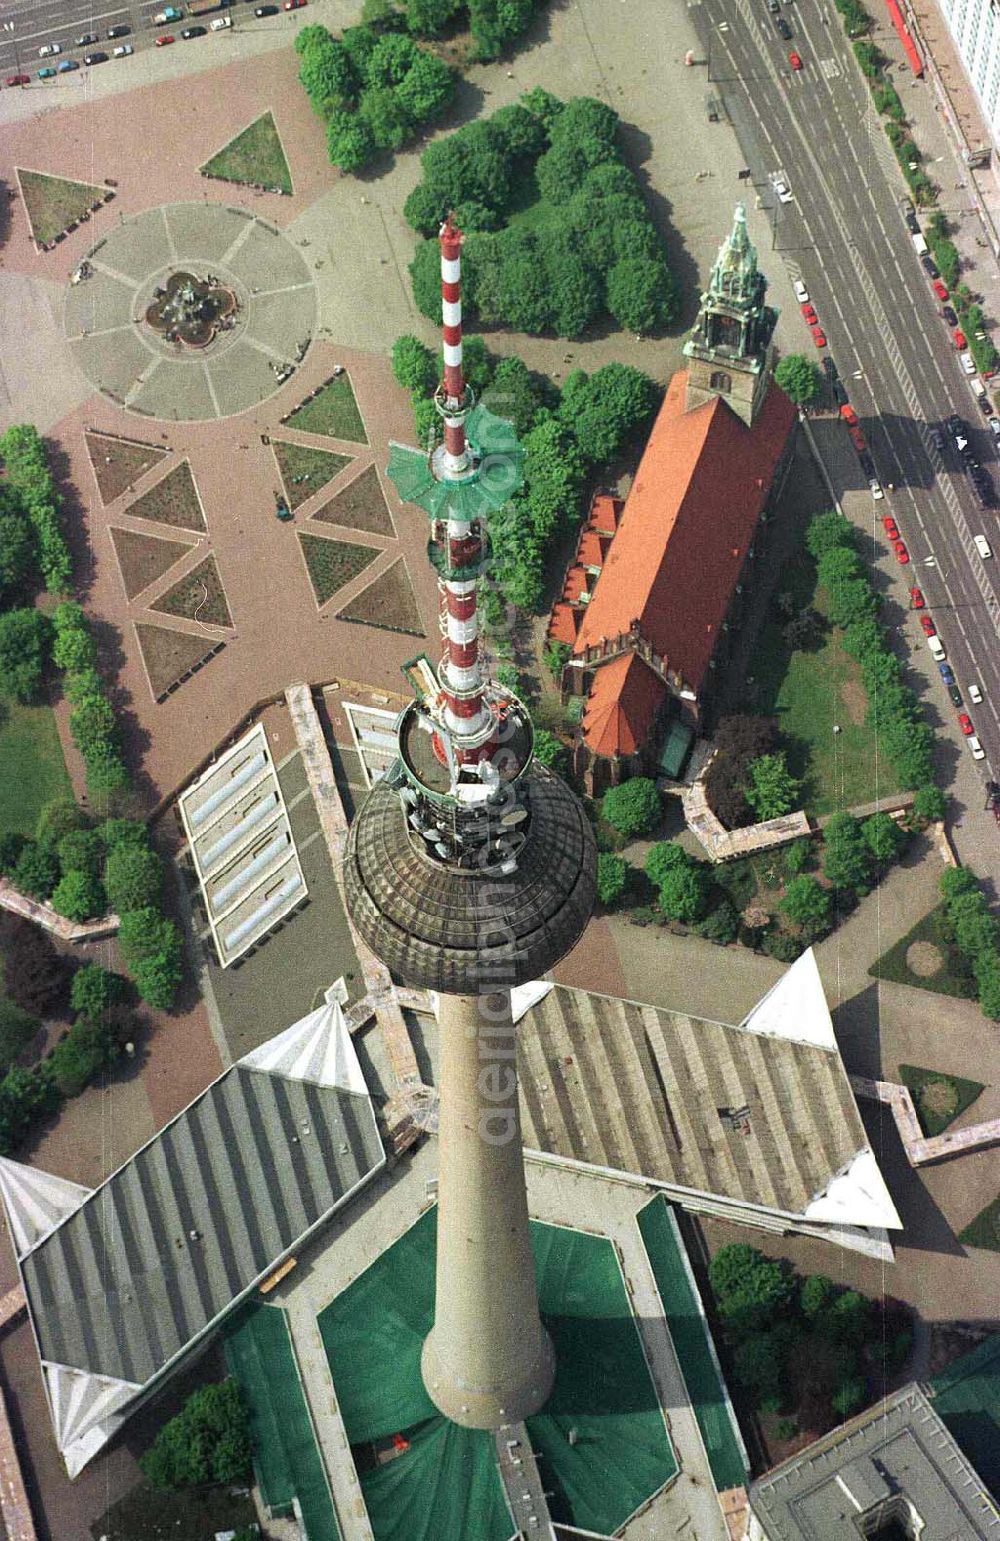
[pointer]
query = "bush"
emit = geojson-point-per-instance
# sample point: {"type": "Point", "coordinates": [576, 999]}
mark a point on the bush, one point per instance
{"type": "Point", "coordinates": [495, 23]}
{"type": "Point", "coordinates": [782, 946]}
{"type": "Point", "coordinates": [816, 1295]}
{"type": "Point", "coordinates": [116, 832]}
{"type": "Point", "coordinates": [632, 808]}
{"type": "Point", "coordinates": [663, 858]}
{"type": "Point", "coordinates": [27, 468]}
{"type": "Point", "coordinates": [414, 366]}
{"type": "Point", "coordinates": [25, 637]}
{"type": "Point", "coordinates": [884, 838]}
{"type": "Point", "coordinates": [771, 788]}
{"type": "Point", "coordinates": [79, 895]}
{"type": "Point", "coordinates": [82, 850]}
{"type": "Point", "coordinates": [87, 1049]}
{"type": "Point", "coordinates": [760, 1368]}
{"type": "Point", "coordinates": [612, 874]}
{"type": "Point", "coordinates": [684, 893]}
{"type": "Point", "coordinates": [800, 380]}
{"type": "Point", "coordinates": [58, 818]}
{"type": "Point", "coordinates": [37, 870]}
{"type": "Point", "coordinates": [806, 904]}
{"type": "Point", "coordinates": [799, 857]}
{"type": "Point", "coordinates": [17, 551]}
{"type": "Point", "coordinates": [929, 803]}
{"type": "Point", "coordinates": [133, 877]}
{"type": "Point", "coordinates": [17, 1029]}
{"type": "Point", "coordinates": [11, 846]}
{"type": "Point", "coordinates": [751, 1291]}
{"type": "Point", "coordinates": [207, 1442]}
{"type": "Point", "coordinates": [850, 1395]}
{"type": "Point", "coordinates": [551, 751]}
{"type": "Point", "coordinates": [722, 924]}
{"type": "Point", "coordinates": [25, 1097]}
{"type": "Point", "coordinates": [606, 409]}
{"type": "Point", "coordinates": [847, 860]}
{"type": "Point", "coordinates": [35, 975]}
{"type": "Point", "coordinates": [95, 991]}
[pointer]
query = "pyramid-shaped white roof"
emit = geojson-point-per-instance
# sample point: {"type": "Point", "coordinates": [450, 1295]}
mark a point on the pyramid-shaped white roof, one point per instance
{"type": "Point", "coordinates": [36, 1202]}
{"type": "Point", "coordinates": [795, 1008]}
{"type": "Point", "coordinates": [84, 1410]}
{"type": "Point", "coordinates": [317, 1048]}
{"type": "Point", "coordinates": [857, 1196]}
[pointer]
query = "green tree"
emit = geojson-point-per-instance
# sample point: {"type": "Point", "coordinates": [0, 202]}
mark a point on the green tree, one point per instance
{"type": "Point", "coordinates": [429, 18]}
{"type": "Point", "coordinates": [144, 933]}
{"type": "Point", "coordinates": [414, 366]}
{"type": "Point", "coordinates": [800, 380]}
{"type": "Point", "coordinates": [17, 552]}
{"type": "Point", "coordinates": [550, 751]}
{"type": "Point", "coordinates": [93, 723]}
{"type": "Point", "coordinates": [807, 904]}
{"type": "Point", "coordinates": [57, 818]}
{"type": "Point", "coordinates": [987, 969]}
{"type": "Point", "coordinates": [208, 1441]}
{"type": "Point", "coordinates": [87, 1049]}
{"type": "Point", "coordinates": [81, 849]}
{"type": "Point", "coordinates": [23, 453]}
{"type": "Point", "coordinates": [554, 475]}
{"type": "Point", "coordinates": [721, 924]}
{"type": "Point", "coordinates": [494, 23]}
{"type": "Point", "coordinates": [37, 870]}
{"type": "Point", "coordinates": [850, 1396]}
{"type": "Point", "coordinates": [389, 123]}
{"type": "Point", "coordinates": [11, 845]}
{"type": "Point", "coordinates": [663, 858]}
{"type": "Point", "coordinates": [684, 893]}
{"type": "Point", "coordinates": [884, 838]}
{"type": "Point", "coordinates": [643, 294]}
{"type": "Point", "coordinates": [759, 1366]}
{"type": "Point", "coordinates": [929, 803]}
{"type": "Point", "coordinates": [133, 877]}
{"type": "Point", "coordinates": [426, 89]}
{"type": "Point", "coordinates": [17, 1029]}
{"type": "Point", "coordinates": [115, 832]}
{"type": "Point", "coordinates": [326, 72]}
{"type": "Point", "coordinates": [25, 1097]}
{"type": "Point", "coordinates": [605, 409]}
{"type": "Point", "coordinates": [612, 873]}
{"type": "Point", "coordinates": [816, 1295]}
{"type": "Point", "coordinates": [350, 143]}
{"type": "Point", "coordinates": [79, 895]}
{"type": "Point", "coordinates": [955, 881]}
{"type": "Point", "coordinates": [632, 808]}
{"type": "Point", "coordinates": [158, 978]}
{"type": "Point", "coordinates": [35, 975]}
{"type": "Point", "coordinates": [771, 789]}
{"type": "Point", "coordinates": [516, 394]}
{"type": "Point", "coordinates": [828, 531]}
{"type": "Point", "coordinates": [847, 858]}
{"type": "Point", "coordinates": [752, 1291]}
{"type": "Point", "coordinates": [95, 991]}
{"type": "Point", "coordinates": [24, 652]}
{"type": "Point", "coordinates": [799, 856]}
{"type": "Point", "coordinates": [854, 600]}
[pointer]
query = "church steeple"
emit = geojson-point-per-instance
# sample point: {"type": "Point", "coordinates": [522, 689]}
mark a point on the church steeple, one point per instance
{"type": "Point", "coordinates": [728, 350]}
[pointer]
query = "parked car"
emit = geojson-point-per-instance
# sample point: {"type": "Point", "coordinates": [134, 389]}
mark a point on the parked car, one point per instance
{"type": "Point", "coordinates": [917, 599]}
{"type": "Point", "coordinates": [954, 695]}
{"type": "Point", "coordinates": [120, 29]}
{"type": "Point", "coordinates": [975, 694]}
{"type": "Point", "coordinates": [67, 65]}
{"type": "Point", "coordinates": [780, 186]}
{"type": "Point", "coordinates": [936, 648]}
{"type": "Point", "coordinates": [945, 671]}
{"type": "Point", "coordinates": [18, 80]}
{"type": "Point", "coordinates": [978, 752]}
{"type": "Point", "coordinates": [875, 489]}
{"type": "Point", "coordinates": [48, 49]}
{"type": "Point", "coordinates": [840, 393]}
{"type": "Point", "coordinates": [848, 413]}
{"type": "Point", "coordinates": [940, 288]}
{"type": "Point", "coordinates": [818, 335]}
{"type": "Point", "coordinates": [949, 315]}
{"type": "Point", "coordinates": [190, 32]}
{"type": "Point", "coordinates": [783, 28]}
{"type": "Point", "coordinates": [46, 72]}
{"type": "Point", "coordinates": [293, 5]}
{"type": "Point", "coordinates": [809, 314]}
{"type": "Point", "coordinates": [220, 23]}
{"type": "Point", "coordinates": [266, 10]}
{"type": "Point", "coordinates": [959, 339]}
{"type": "Point", "coordinates": [965, 723]}
{"type": "Point", "coordinates": [983, 546]}
{"type": "Point", "coordinates": [929, 265]}
{"type": "Point", "coordinates": [890, 526]}
{"type": "Point", "coordinates": [994, 422]}
{"type": "Point", "coordinates": [169, 13]}
{"type": "Point", "coordinates": [164, 40]}
{"type": "Point", "coordinates": [930, 630]}
{"type": "Point", "coordinates": [122, 51]}
{"type": "Point", "coordinates": [801, 292]}
{"type": "Point", "coordinates": [95, 58]}
{"type": "Point", "coordinates": [794, 59]}
{"type": "Point", "coordinates": [86, 39]}
{"type": "Point", "coordinates": [901, 553]}
{"type": "Point", "coordinates": [965, 359]}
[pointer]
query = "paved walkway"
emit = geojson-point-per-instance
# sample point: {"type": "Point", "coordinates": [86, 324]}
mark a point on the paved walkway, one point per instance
{"type": "Point", "coordinates": [45, 916]}
{"type": "Point", "coordinates": [920, 1149]}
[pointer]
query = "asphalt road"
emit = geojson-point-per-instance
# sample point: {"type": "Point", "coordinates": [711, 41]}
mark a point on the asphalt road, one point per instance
{"type": "Point", "coordinates": [844, 234]}
{"type": "Point", "coordinates": [26, 27]}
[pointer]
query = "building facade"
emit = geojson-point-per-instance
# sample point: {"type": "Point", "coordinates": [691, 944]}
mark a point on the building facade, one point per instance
{"type": "Point", "coordinates": [975, 27]}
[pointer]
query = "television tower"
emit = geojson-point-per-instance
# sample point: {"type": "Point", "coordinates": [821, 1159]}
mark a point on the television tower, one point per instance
{"type": "Point", "coordinates": [470, 869]}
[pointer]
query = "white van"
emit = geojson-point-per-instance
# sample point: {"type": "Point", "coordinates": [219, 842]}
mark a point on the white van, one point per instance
{"type": "Point", "coordinates": [982, 546]}
{"type": "Point", "coordinates": [937, 649]}
{"type": "Point", "coordinates": [919, 244]}
{"type": "Point", "coordinates": [220, 23]}
{"type": "Point", "coordinates": [978, 752]}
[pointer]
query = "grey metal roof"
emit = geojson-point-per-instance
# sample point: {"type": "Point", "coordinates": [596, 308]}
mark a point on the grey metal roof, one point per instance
{"type": "Point", "coordinates": [627, 1086]}
{"type": "Point", "coordinates": [900, 1447]}
{"type": "Point", "coordinates": [121, 1287]}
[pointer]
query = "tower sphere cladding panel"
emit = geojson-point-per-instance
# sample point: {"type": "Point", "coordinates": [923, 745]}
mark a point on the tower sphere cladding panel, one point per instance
{"type": "Point", "coordinates": [462, 932]}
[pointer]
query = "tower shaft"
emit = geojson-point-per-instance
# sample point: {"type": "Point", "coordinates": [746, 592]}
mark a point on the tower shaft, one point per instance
{"type": "Point", "coordinates": [487, 1360]}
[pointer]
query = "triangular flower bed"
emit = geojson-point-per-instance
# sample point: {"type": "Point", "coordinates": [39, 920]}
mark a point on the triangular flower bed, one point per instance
{"type": "Point", "coordinates": [332, 564]}
{"type": "Point", "coordinates": [55, 204]}
{"type": "Point", "coordinates": [303, 470]}
{"type": "Point", "coordinates": [144, 558]}
{"type": "Point", "coordinates": [198, 596]}
{"type": "Point", "coordinates": [360, 506]}
{"type": "Point", "coordinates": [255, 158]}
{"type": "Point", "coordinates": [388, 603]}
{"type": "Point", "coordinates": [170, 656]}
{"type": "Point", "coordinates": [172, 501]}
{"type": "Point", "coordinates": [118, 463]}
{"type": "Point", "coordinates": [331, 410]}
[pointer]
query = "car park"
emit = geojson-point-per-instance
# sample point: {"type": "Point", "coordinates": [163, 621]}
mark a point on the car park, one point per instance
{"type": "Point", "coordinates": [917, 599]}
{"type": "Point", "coordinates": [17, 80]}
{"type": "Point", "coordinates": [122, 51]}
{"type": "Point", "coordinates": [794, 60]}
{"type": "Point", "coordinates": [940, 289]}
{"type": "Point", "coordinates": [47, 73]}
{"type": "Point", "coordinates": [901, 553]}
{"type": "Point", "coordinates": [48, 49]}
{"type": "Point", "coordinates": [190, 32]}
{"type": "Point", "coordinates": [959, 338]}
{"type": "Point", "coordinates": [120, 29]}
{"type": "Point", "coordinates": [818, 335]}
{"type": "Point", "coordinates": [801, 292]}
{"type": "Point", "coordinates": [86, 39]}
{"type": "Point", "coordinates": [965, 359]}
{"type": "Point", "coordinates": [783, 28]}
{"type": "Point", "coordinates": [929, 629]}
{"type": "Point", "coordinates": [975, 694]}
{"type": "Point", "coordinates": [929, 265]}
{"type": "Point", "coordinates": [965, 723]}
{"type": "Point", "coordinates": [936, 647]}
{"type": "Point", "coordinates": [890, 526]}
{"type": "Point", "coordinates": [95, 58]}
{"type": "Point", "coordinates": [67, 65]}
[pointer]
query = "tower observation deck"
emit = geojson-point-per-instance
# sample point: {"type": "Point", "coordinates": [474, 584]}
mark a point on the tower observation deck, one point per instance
{"type": "Point", "coordinates": [470, 869]}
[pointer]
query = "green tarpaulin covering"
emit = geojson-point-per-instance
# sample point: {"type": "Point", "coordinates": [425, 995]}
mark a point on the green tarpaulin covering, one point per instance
{"type": "Point", "coordinates": [692, 1345]}
{"type": "Point", "coordinates": [446, 1484]}
{"type": "Point", "coordinates": [498, 477]}
{"type": "Point", "coordinates": [288, 1464]}
{"type": "Point", "coordinates": [967, 1400]}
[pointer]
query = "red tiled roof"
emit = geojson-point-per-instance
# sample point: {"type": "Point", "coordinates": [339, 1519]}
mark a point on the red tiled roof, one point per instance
{"type": "Point", "coordinates": [564, 623]}
{"type": "Point", "coordinates": [622, 704]}
{"type": "Point", "coordinates": [687, 524]}
{"type": "Point", "coordinates": [605, 513]}
{"type": "Point", "coordinates": [577, 583]}
{"type": "Point", "coordinates": [592, 549]}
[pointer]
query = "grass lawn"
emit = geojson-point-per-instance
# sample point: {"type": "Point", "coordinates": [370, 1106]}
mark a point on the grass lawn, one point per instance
{"type": "Point", "coordinates": [388, 602]}
{"type": "Point", "coordinates": [938, 1098]}
{"type": "Point", "coordinates": [984, 1230]}
{"type": "Point", "coordinates": [810, 692]}
{"type": "Point", "coordinates": [333, 563]}
{"type": "Point", "coordinates": [198, 597]}
{"type": "Point", "coordinates": [144, 558]}
{"type": "Point", "coordinates": [32, 769]}
{"type": "Point", "coordinates": [118, 463]}
{"type": "Point", "coordinates": [54, 203]}
{"type": "Point", "coordinates": [360, 506]}
{"type": "Point", "coordinates": [256, 157]}
{"type": "Point", "coordinates": [173, 501]}
{"type": "Point", "coordinates": [952, 976]}
{"type": "Point", "coordinates": [169, 655]}
{"type": "Point", "coordinates": [303, 470]}
{"type": "Point", "coordinates": [333, 411]}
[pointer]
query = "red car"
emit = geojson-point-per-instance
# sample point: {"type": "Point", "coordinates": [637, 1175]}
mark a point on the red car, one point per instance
{"type": "Point", "coordinates": [902, 555]}
{"type": "Point", "coordinates": [858, 440]}
{"type": "Point", "coordinates": [958, 338]}
{"type": "Point", "coordinates": [940, 289]}
{"type": "Point", "coordinates": [930, 630]}
{"type": "Point", "coordinates": [810, 314]}
{"type": "Point", "coordinates": [18, 80]}
{"type": "Point", "coordinates": [965, 723]}
{"type": "Point", "coordinates": [161, 42]}
{"type": "Point", "coordinates": [818, 335]}
{"type": "Point", "coordinates": [917, 598]}
{"type": "Point", "coordinates": [890, 526]}
{"type": "Point", "coordinates": [794, 60]}
{"type": "Point", "coordinates": [293, 5]}
{"type": "Point", "coordinates": [849, 415]}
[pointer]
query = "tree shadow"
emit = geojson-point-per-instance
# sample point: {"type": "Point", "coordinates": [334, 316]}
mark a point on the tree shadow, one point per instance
{"type": "Point", "coordinates": [636, 149]}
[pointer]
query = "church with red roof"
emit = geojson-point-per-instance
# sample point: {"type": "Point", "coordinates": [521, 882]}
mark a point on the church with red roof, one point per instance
{"type": "Point", "coordinates": [659, 578]}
